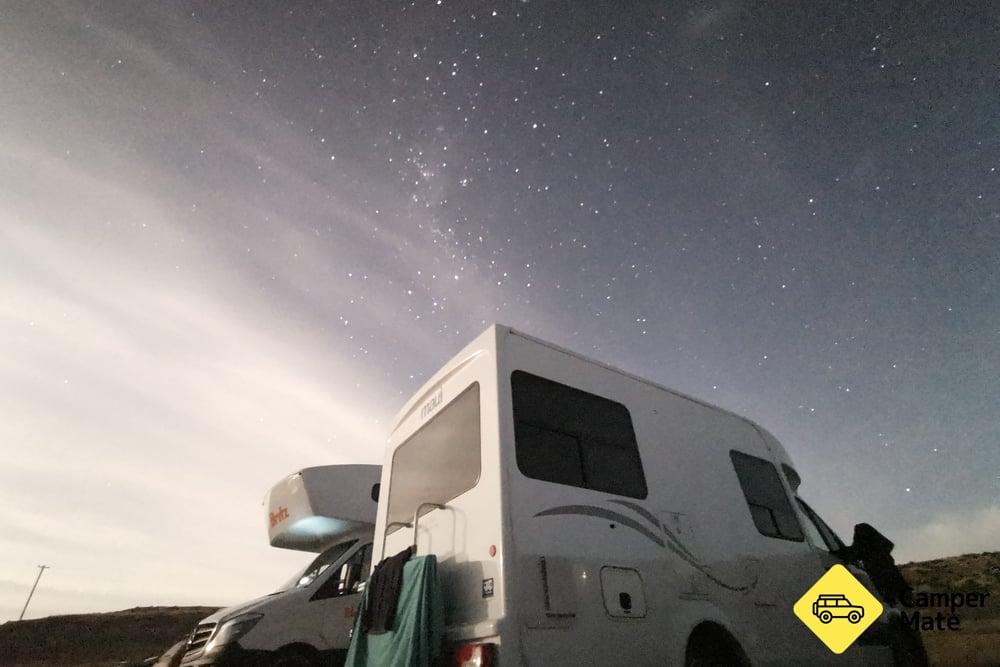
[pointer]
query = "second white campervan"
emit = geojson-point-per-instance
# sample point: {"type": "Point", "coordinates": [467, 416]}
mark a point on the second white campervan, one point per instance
{"type": "Point", "coordinates": [328, 510]}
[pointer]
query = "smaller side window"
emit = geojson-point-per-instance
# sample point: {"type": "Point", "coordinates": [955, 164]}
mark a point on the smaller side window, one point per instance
{"type": "Point", "coordinates": [793, 477]}
{"type": "Point", "coordinates": [770, 508]}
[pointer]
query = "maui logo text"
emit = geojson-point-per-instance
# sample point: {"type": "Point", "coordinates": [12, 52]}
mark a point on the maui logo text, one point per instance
{"type": "Point", "coordinates": [431, 405]}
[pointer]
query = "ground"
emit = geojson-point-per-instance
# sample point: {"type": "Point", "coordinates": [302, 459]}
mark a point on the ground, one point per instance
{"type": "Point", "coordinates": [977, 641]}
{"type": "Point", "coordinates": [131, 636]}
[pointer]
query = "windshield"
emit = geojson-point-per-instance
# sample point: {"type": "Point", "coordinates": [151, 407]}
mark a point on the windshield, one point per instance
{"type": "Point", "coordinates": [829, 539]}
{"type": "Point", "coordinates": [318, 566]}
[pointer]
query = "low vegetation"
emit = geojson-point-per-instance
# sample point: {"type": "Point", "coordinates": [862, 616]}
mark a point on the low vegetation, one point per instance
{"type": "Point", "coordinates": [119, 638]}
{"type": "Point", "coordinates": [976, 642]}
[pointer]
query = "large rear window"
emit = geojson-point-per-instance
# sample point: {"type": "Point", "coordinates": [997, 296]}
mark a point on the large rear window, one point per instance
{"type": "Point", "coordinates": [568, 436]}
{"type": "Point", "coordinates": [439, 462]}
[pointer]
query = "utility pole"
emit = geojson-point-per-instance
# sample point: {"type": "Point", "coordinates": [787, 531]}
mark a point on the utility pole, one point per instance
{"type": "Point", "coordinates": [41, 569]}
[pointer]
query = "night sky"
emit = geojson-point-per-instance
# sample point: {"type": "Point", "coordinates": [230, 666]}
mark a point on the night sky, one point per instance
{"type": "Point", "coordinates": [234, 239]}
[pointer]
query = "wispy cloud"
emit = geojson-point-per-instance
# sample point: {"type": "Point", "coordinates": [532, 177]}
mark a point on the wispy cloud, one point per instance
{"type": "Point", "coordinates": [145, 414]}
{"type": "Point", "coordinates": [951, 534]}
{"type": "Point", "coordinates": [162, 369]}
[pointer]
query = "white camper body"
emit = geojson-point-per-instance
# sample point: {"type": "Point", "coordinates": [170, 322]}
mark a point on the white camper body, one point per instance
{"type": "Point", "coordinates": [581, 515]}
{"type": "Point", "coordinates": [327, 510]}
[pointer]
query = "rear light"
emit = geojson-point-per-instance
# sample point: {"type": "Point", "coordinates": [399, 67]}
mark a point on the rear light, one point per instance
{"type": "Point", "coordinates": [475, 655]}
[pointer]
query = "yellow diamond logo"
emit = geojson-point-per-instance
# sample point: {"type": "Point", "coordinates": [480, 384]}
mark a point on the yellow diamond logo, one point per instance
{"type": "Point", "coordinates": [838, 608]}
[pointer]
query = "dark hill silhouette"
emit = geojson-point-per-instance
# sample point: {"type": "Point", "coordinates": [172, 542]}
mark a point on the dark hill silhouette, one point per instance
{"type": "Point", "coordinates": [125, 637]}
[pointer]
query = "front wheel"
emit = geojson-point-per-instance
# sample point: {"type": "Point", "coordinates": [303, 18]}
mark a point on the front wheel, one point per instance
{"type": "Point", "coordinates": [854, 616]}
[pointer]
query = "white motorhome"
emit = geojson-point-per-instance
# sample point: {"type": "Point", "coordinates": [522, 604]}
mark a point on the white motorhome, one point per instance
{"type": "Point", "coordinates": [584, 516]}
{"type": "Point", "coordinates": [329, 510]}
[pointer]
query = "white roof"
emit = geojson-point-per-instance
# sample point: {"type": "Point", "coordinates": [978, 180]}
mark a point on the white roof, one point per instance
{"type": "Point", "coordinates": [492, 338]}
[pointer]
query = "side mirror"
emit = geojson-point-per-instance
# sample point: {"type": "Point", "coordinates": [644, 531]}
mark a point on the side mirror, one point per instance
{"type": "Point", "coordinates": [868, 540]}
{"type": "Point", "coordinates": [376, 487]}
{"type": "Point", "coordinates": [874, 550]}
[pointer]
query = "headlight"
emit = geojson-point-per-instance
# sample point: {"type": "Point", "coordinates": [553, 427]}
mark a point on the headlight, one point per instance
{"type": "Point", "coordinates": [232, 630]}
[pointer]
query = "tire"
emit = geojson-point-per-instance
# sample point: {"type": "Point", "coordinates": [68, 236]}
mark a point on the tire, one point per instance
{"type": "Point", "coordinates": [854, 616]}
{"type": "Point", "coordinates": [714, 650]}
{"type": "Point", "coordinates": [293, 658]}
{"type": "Point", "coordinates": [825, 617]}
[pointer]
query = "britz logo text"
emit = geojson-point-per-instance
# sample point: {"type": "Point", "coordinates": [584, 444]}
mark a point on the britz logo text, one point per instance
{"type": "Point", "coordinates": [431, 405]}
{"type": "Point", "coordinates": [279, 516]}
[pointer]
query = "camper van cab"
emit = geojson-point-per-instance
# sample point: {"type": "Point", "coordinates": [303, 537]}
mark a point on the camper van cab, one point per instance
{"type": "Point", "coordinates": [581, 515]}
{"type": "Point", "coordinates": [327, 510]}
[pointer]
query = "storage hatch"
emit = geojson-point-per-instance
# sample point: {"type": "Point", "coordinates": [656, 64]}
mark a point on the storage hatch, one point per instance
{"type": "Point", "coordinates": [623, 593]}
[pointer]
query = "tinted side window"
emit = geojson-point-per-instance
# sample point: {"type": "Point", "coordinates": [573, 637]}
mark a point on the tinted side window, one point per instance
{"type": "Point", "coordinates": [769, 506]}
{"type": "Point", "coordinates": [349, 579]}
{"type": "Point", "coordinates": [567, 436]}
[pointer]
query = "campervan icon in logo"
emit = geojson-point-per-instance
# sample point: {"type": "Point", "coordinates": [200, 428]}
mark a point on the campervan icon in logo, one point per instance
{"type": "Point", "coordinates": [838, 608]}
{"type": "Point", "coordinates": [828, 607]}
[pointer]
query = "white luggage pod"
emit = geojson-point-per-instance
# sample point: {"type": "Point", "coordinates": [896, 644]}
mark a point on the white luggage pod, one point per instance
{"type": "Point", "coordinates": [310, 509]}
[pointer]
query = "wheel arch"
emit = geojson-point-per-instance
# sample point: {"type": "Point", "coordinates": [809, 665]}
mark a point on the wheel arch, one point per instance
{"type": "Point", "coordinates": [299, 648]}
{"type": "Point", "coordinates": [712, 632]}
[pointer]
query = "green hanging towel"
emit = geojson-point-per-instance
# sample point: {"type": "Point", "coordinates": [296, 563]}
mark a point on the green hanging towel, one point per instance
{"type": "Point", "coordinates": [415, 640]}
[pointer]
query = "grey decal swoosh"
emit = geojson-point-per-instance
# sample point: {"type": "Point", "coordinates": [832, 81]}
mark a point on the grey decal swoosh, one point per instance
{"type": "Point", "coordinates": [675, 545]}
{"type": "Point", "coordinates": [601, 513]}
{"type": "Point", "coordinates": [649, 516]}
{"type": "Point", "coordinates": [680, 545]}
{"type": "Point", "coordinates": [690, 560]}
{"type": "Point", "coordinates": [638, 509]}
